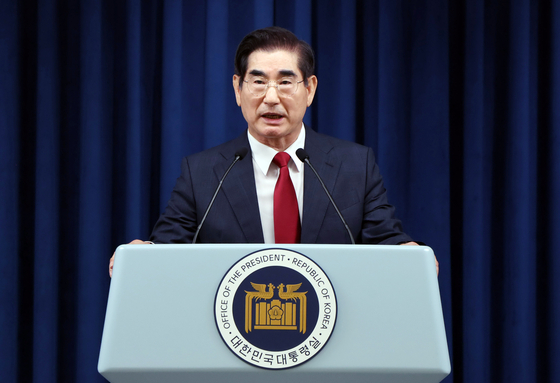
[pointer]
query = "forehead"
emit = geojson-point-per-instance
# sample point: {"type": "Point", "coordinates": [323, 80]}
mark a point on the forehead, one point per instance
{"type": "Point", "coordinates": [273, 63]}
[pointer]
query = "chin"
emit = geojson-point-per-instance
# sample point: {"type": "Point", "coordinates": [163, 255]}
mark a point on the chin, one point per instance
{"type": "Point", "coordinates": [272, 131]}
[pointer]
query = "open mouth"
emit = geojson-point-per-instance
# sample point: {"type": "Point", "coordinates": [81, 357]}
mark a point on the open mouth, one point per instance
{"type": "Point", "coordinates": [272, 116]}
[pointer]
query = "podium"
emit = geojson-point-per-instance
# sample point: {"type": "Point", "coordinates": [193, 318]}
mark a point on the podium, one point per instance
{"type": "Point", "coordinates": [162, 322]}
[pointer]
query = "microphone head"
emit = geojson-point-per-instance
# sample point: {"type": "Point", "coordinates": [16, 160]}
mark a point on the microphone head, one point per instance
{"type": "Point", "coordinates": [302, 155]}
{"type": "Point", "coordinates": [241, 153]}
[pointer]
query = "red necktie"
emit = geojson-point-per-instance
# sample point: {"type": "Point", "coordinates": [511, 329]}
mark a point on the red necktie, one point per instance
{"type": "Point", "coordinates": [287, 228]}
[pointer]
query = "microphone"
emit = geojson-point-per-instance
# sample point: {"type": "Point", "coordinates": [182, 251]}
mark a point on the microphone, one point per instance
{"type": "Point", "coordinates": [239, 155]}
{"type": "Point", "coordinates": [304, 157]}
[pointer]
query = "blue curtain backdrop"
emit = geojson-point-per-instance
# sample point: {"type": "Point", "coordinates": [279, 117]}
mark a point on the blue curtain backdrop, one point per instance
{"type": "Point", "coordinates": [460, 99]}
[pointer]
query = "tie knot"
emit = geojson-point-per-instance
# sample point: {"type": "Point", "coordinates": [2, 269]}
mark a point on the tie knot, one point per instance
{"type": "Point", "coordinates": [281, 159]}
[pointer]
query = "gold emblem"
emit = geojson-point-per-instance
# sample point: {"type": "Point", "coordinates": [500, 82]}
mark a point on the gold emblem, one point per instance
{"type": "Point", "coordinates": [275, 314]}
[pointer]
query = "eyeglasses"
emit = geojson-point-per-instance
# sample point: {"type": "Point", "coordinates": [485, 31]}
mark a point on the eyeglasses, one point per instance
{"type": "Point", "coordinates": [258, 86]}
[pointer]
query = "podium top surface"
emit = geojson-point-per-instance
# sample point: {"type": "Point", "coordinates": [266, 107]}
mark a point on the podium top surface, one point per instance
{"type": "Point", "coordinates": [160, 323]}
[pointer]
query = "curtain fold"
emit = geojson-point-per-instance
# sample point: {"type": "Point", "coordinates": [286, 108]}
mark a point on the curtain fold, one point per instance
{"type": "Point", "coordinates": [100, 100]}
{"type": "Point", "coordinates": [47, 199]}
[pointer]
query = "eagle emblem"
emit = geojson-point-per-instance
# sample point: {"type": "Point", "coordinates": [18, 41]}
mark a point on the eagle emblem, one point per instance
{"type": "Point", "coordinates": [265, 312]}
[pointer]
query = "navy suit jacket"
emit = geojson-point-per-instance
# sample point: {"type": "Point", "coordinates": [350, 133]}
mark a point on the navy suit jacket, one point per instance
{"type": "Point", "coordinates": [348, 170]}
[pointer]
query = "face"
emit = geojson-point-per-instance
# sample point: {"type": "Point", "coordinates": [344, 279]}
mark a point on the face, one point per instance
{"type": "Point", "coordinates": [273, 119]}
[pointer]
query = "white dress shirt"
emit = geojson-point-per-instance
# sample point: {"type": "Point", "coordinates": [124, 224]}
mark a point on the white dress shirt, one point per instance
{"type": "Point", "coordinates": [266, 175]}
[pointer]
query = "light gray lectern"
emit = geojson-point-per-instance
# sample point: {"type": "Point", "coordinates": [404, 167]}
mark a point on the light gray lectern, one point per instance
{"type": "Point", "coordinates": [160, 323]}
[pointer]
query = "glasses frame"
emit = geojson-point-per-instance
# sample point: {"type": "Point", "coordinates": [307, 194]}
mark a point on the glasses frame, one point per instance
{"type": "Point", "coordinates": [268, 85]}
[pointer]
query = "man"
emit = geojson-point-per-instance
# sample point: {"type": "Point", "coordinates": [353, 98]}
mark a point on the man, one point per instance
{"type": "Point", "coordinates": [274, 84]}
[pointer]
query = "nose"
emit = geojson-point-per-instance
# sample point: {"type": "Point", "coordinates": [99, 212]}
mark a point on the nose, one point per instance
{"type": "Point", "coordinates": [271, 95]}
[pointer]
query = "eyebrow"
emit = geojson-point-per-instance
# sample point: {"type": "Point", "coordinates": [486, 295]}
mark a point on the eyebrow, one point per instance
{"type": "Point", "coordinates": [287, 72]}
{"type": "Point", "coordinates": [256, 72]}
{"type": "Point", "coordinates": [283, 73]}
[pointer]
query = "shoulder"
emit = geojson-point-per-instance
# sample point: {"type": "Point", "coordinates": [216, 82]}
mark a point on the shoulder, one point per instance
{"type": "Point", "coordinates": [335, 146]}
{"type": "Point", "coordinates": [222, 152]}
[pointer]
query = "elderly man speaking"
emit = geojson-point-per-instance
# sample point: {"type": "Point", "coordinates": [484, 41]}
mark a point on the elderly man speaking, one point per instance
{"type": "Point", "coordinates": [270, 196]}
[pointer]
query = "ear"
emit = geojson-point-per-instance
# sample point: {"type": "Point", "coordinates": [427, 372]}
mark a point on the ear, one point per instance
{"type": "Point", "coordinates": [311, 88]}
{"type": "Point", "coordinates": [236, 89]}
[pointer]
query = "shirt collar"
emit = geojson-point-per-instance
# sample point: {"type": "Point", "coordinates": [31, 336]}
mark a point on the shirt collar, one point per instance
{"type": "Point", "coordinates": [263, 154]}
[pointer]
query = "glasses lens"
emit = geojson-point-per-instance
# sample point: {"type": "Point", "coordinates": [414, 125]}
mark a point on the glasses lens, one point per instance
{"type": "Point", "coordinates": [257, 85]}
{"type": "Point", "coordinates": [285, 87]}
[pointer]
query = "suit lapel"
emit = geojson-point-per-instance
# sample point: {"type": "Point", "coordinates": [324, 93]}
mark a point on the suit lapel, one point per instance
{"type": "Point", "coordinates": [240, 190]}
{"type": "Point", "coordinates": [315, 200]}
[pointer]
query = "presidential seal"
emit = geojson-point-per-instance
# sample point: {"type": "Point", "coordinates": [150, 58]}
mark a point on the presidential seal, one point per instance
{"type": "Point", "coordinates": [275, 309]}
